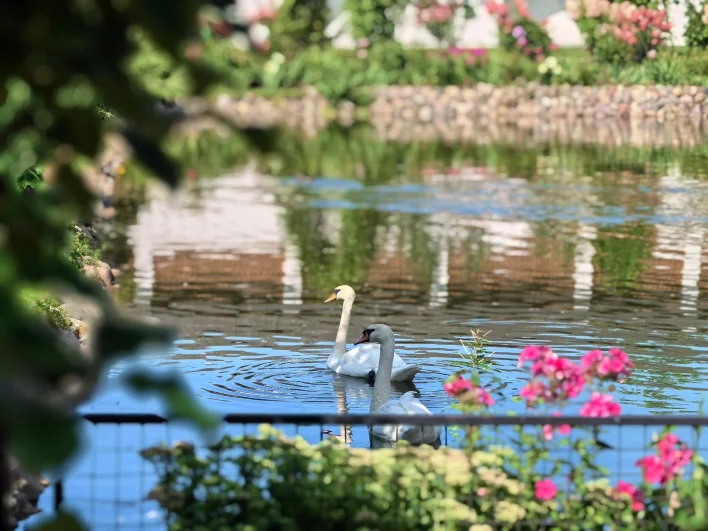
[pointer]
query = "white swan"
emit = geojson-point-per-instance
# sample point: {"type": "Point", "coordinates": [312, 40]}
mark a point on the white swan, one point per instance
{"type": "Point", "coordinates": [408, 404]}
{"type": "Point", "coordinates": [362, 361]}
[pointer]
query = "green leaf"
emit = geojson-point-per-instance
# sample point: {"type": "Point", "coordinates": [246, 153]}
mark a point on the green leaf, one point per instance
{"type": "Point", "coordinates": [118, 336]}
{"type": "Point", "coordinates": [63, 521]}
{"type": "Point", "coordinates": [43, 439]}
{"type": "Point", "coordinates": [177, 398]}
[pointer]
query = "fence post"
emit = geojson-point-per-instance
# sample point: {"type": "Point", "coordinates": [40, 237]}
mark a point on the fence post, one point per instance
{"type": "Point", "coordinates": [58, 495]}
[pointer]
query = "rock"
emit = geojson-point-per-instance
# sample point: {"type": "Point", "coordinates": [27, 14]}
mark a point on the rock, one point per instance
{"type": "Point", "coordinates": [26, 490]}
{"type": "Point", "coordinates": [699, 97]}
{"type": "Point", "coordinates": [425, 113]}
{"type": "Point", "coordinates": [101, 271]}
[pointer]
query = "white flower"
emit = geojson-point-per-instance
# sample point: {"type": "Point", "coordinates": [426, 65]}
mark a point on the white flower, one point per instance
{"type": "Point", "coordinates": [557, 70]}
{"type": "Point", "coordinates": [278, 58]}
{"type": "Point", "coordinates": [552, 62]}
{"type": "Point", "coordinates": [259, 34]}
{"type": "Point", "coordinates": [240, 41]}
{"type": "Point", "coordinates": [542, 68]}
{"type": "Point", "coordinates": [651, 54]}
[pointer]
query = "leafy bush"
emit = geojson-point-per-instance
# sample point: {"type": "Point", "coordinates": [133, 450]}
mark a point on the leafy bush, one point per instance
{"type": "Point", "coordinates": [271, 482]}
{"type": "Point", "coordinates": [299, 23]}
{"type": "Point", "coordinates": [697, 24]}
{"type": "Point", "coordinates": [374, 20]}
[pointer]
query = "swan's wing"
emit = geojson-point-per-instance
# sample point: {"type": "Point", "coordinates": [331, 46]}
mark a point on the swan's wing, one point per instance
{"type": "Point", "coordinates": [412, 406]}
{"type": "Point", "coordinates": [390, 432]}
{"type": "Point", "coordinates": [366, 354]}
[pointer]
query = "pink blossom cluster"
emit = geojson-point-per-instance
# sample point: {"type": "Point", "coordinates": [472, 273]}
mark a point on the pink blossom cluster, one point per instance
{"type": "Point", "coordinates": [436, 12]}
{"type": "Point", "coordinates": [555, 378]}
{"type": "Point", "coordinates": [627, 489]}
{"type": "Point", "coordinates": [671, 458]}
{"type": "Point", "coordinates": [613, 366]}
{"type": "Point", "coordinates": [545, 490]}
{"type": "Point", "coordinates": [600, 405]}
{"type": "Point", "coordinates": [631, 22]}
{"type": "Point", "coordinates": [468, 392]}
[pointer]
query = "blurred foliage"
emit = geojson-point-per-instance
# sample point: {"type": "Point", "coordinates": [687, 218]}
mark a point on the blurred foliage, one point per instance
{"type": "Point", "coordinates": [67, 60]}
{"type": "Point", "coordinates": [299, 23]}
{"type": "Point", "coordinates": [696, 32]}
{"type": "Point", "coordinates": [374, 20]}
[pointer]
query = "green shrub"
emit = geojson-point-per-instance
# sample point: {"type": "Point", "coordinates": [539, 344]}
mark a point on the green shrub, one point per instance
{"type": "Point", "coordinates": [696, 29]}
{"type": "Point", "coordinates": [271, 482]}
{"type": "Point", "coordinates": [374, 20]}
{"type": "Point", "coordinates": [299, 23]}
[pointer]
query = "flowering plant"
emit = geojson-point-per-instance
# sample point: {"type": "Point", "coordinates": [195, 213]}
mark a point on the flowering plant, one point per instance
{"type": "Point", "coordinates": [438, 17]}
{"type": "Point", "coordinates": [620, 31]}
{"type": "Point", "coordinates": [518, 31]}
{"type": "Point", "coordinates": [565, 493]}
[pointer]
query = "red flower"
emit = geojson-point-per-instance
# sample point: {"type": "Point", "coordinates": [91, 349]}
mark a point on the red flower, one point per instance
{"type": "Point", "coordinates": [545, 490]}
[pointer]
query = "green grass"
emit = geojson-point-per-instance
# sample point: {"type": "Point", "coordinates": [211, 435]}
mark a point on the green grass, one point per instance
{"type": "Point", "coordinates": [45, 304]}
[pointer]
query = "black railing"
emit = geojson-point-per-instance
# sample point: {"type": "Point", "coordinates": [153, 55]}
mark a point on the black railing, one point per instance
{"type": "Point", "coordinates": [114, 479]}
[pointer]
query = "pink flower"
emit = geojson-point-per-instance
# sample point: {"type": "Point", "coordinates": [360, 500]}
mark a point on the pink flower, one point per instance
{"type": "Point", "coordinates": [667, 443]}
{"type": "Point", "coordinates": [482, 492]}
{"type": "Point", "coordinates": [468, 392]}
{"type": "Point", "coordinates": [563, 429]}
{"type": "Point", "coordinates": [614, 366]}
{"type": "Point", "coordinates": [652, 468]}
{"type": "Point", "coordinates": [458, 386]}
{"type": "Point", "coordinates": [600, 405]}
{"type": "Point", "coordinates": [553, 47]}
{"type": "Point", "coordinates": [535, 391]}
{"type": "Point", "coordinates": [532, 353]}
{"type": "Point", "coordinates": [545, 490]}
{"type": "Point", "coordinates": [633, 492]}
{"type": "Point", "coordinates": [523, 41]}
{"type": "Point", "coordinates": [673, 457]}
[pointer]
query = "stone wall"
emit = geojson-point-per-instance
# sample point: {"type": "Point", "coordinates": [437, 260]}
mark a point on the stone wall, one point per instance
{"type": "Point", "coordinates": [531, 100]}
{"type": "Point", "coordinates": [640, 116]}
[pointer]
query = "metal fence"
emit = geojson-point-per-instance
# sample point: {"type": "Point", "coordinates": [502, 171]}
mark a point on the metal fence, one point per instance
{"type": "Point", "coordinates": [109, 484]}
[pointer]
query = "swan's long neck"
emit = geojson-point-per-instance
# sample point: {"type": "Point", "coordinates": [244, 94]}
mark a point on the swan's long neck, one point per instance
{"type": "Point", "coordinates": [382, 385]}
{"type": "Point", "coordinates": [340, 343]}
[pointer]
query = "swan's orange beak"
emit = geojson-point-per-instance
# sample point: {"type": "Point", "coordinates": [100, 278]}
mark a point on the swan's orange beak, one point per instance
{"type": "Point", "coordinates": [364, 338]}
{"type": "Point", "coordinates": [331, 297]}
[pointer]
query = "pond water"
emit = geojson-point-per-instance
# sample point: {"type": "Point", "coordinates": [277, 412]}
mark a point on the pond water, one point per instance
{"type": "Point", "coordinates": [572, 247]}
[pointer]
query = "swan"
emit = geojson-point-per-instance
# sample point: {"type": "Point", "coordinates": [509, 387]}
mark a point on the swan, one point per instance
{"type": "Point", "coordinates": [407, 404]}
{"type": "Point", "coordinates": [362, 361]}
